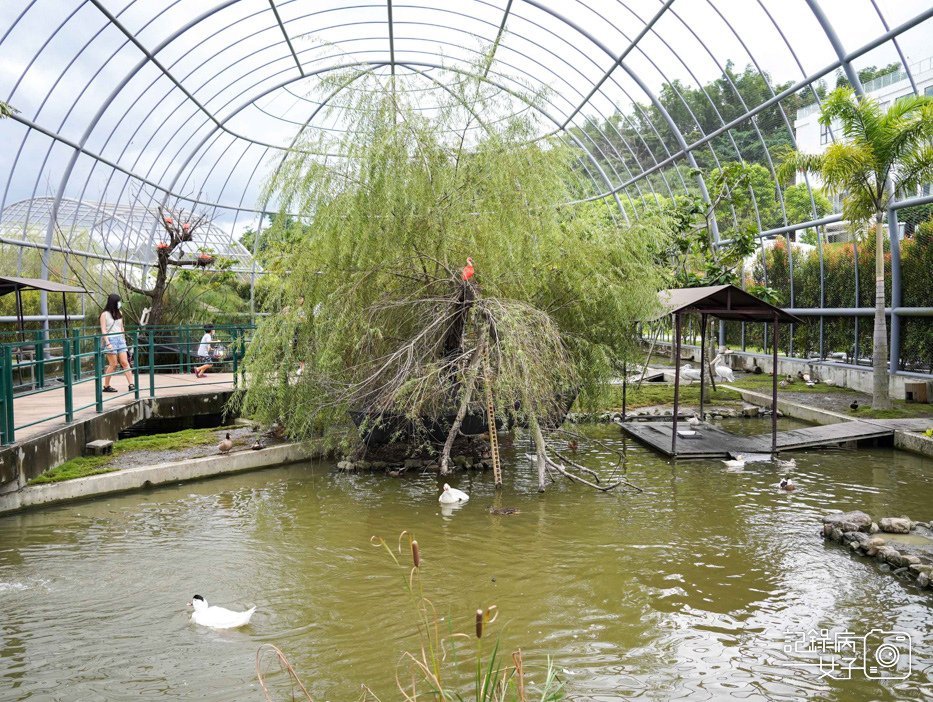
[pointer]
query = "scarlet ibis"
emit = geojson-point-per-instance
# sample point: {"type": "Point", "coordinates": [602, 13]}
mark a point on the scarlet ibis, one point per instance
{"type": "Point", "coordinates": [468, 271]}
{"type": "Point", "coordinates": [168, 221]}
{"type": "Point", "coordinates": [185, 227]}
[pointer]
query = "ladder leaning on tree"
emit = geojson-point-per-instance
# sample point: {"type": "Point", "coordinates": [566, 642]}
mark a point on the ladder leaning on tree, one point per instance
{"type": "Point", "coordinates": [491, 419]}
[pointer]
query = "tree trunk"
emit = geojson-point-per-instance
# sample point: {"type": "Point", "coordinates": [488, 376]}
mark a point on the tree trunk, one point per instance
{"type": "Point", "coordinates": [469, 382]}
{"type": "Point", "coordinates": [540, 450]}
{"type": "Point", "coordinates": [158, 294]}
{"type": "Point", "coordinates": [879, 357]}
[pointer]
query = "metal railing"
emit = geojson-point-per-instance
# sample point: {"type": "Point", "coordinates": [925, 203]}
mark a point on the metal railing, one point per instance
{"type": "Point", "coordinates": [37, 365]}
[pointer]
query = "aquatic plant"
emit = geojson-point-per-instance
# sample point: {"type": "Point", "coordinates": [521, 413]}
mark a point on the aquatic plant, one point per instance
{"type": "Point", "coordinates": [435, 669]}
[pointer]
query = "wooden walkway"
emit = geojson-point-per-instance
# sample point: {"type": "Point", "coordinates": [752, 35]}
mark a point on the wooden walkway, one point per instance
{"type": "Point", "coordinates": [712, 442]}
{"type": "Point", "coordinates": [33, 409]}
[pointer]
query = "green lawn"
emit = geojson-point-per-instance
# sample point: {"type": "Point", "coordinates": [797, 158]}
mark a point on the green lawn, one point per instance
{"type": "Point", "coordinates": [762, 383]}
{"type": "Point", "coordinates": [901, 410]}
{"type": "Point", "coordinates": [93, 465]}
{"type": "Point", "coordinates": [652, 394]}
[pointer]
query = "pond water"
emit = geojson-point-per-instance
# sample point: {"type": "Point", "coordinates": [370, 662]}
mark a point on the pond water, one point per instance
{"type": "Point", "coordinates": [692, 589]}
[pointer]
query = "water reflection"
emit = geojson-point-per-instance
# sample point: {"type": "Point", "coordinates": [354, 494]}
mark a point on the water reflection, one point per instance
{"type": "Point", "coordinates": [687, 590]}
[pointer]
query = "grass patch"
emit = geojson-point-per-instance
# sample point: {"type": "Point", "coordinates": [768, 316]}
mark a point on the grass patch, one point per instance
{"type": "Point", "coordinates": [762, 383]}
{"type": "Point", "coordinates": [76, 468]}
{"type": "Point", "coordinates": [94, 465]}
{"type": "Point", "coordinates": [652, 394]}
{"type": "Point", "coordinates": [901, 410]}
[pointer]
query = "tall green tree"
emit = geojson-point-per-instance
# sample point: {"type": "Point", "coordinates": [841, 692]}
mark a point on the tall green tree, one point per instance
{"type": "Point", "coordinates": [881, 153]}
{"type": "Point", "coordinates": [375, 304]}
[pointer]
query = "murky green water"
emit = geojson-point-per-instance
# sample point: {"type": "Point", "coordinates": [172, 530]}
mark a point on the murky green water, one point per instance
{"type": "Point", "coordinates": [690, 590]}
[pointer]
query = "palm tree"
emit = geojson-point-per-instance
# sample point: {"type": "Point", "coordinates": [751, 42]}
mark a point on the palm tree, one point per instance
{"type": "Point", "coordinates": [881, 153]}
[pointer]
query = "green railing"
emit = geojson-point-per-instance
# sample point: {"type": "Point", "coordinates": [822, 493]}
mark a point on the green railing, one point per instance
{"type": "Point", "coordinates": [40, 365]}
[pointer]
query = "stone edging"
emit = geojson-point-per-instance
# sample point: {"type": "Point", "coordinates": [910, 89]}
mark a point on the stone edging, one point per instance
{"type": "Point", "coordinates": [867, 538]}
{"type": "Point", "coordinates": [147, 476]}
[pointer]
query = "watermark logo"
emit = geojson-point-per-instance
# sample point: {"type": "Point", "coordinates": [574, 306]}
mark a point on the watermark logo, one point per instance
{"type": "Point", "coordinates": [878, 655]}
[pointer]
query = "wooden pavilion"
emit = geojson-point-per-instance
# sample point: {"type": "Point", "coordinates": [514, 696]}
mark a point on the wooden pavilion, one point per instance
{"type": "Point", "coordinates": [725, 302]}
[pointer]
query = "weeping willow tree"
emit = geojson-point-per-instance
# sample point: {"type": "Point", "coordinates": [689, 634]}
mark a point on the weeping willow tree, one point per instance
{"type": "Point", "coordinates": [368, 296]}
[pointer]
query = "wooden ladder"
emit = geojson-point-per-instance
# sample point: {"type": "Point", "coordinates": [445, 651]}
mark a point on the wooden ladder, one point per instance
{"type": "Point", "coordinates": [491, 420]}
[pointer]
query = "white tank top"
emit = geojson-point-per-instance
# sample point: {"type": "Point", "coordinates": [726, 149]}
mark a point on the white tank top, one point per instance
{"type": "Point", "coordinates": [113, 326]}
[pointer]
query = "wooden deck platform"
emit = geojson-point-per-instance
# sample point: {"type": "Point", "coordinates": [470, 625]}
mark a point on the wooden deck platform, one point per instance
{"type": "Point", "coordinates": [712, 442]}
{"type": "Point", "coordinates": [42, 411]}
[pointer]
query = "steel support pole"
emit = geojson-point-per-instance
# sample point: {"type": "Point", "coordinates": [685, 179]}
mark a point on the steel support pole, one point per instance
{"type": "Point", "coordinates": [895, 236]}
{"type": "Point", "coordinates": [69, 382]}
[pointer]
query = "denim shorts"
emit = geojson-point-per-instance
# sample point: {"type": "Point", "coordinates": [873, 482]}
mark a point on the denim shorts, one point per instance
{"type": "Point", "coordinates": [117, 344]}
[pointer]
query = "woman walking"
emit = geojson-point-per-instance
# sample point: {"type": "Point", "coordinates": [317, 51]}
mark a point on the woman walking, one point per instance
{"type": "Point", "coordinates": [114, 343]}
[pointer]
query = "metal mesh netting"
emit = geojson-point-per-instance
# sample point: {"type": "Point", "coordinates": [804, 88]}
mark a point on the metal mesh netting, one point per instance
{"type": "Point", "coordinates": [126, 105]}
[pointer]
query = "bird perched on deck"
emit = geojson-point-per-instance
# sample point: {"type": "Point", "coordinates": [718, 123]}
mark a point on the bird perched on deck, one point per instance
{"type": "Point", "coordinates": [787, 484]}
{"type": "Point", "coordinates": [226, 444]}
{"type": "Point", "coordinates": [468, 270]}
{"type": "Point", "coordinates": [853, 405]}
{"type": "Point", "coordinates": [218, 617]}
{"type": "Point", "coordinates": [452, 496]}
{"type": "Point", "coordinates": [693, 421]}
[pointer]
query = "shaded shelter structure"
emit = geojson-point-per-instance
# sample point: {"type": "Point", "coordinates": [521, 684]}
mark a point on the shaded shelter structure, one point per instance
{"type": "Point", "coordinates": [727, 303]}
{"type": "Point", "coordinates": [18, 285]}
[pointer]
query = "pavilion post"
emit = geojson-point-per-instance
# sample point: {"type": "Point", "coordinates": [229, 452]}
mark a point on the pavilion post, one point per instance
{"type": "Point", "coordinates": [676, 383]}
{"type": "Point", "coordinates": [702, 361]}
{"type": "Point", "coordinates": [774, 386]}
{"type": "Point", "coordinates": [624, 386]}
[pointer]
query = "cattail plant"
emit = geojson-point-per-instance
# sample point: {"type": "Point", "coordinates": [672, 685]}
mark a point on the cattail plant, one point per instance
{"type": "Point", "coordinates": [433, 668]}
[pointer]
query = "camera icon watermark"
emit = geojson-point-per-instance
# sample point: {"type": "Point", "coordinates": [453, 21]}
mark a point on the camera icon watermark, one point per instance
{"type": "Point", "coordinates": [878, 655]}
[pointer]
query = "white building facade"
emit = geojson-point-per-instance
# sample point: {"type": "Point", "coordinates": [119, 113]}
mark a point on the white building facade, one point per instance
{"type": "Point", "coordinates": [813, 138]}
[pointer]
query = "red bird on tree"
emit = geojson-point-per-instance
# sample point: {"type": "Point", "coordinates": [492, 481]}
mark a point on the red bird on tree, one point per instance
{"type": "Point", "coordinates": [468, 271]}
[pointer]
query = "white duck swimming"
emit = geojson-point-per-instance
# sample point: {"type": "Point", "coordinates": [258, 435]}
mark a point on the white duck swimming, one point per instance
{"type": "Point", "coordinates": [218, 617]}
{"type": "Point", "coordinates": [452, 496]}
{"type": "Point", "coordinates": [736, 463]}
{"type": "Point", "coordinates": [790, 463]}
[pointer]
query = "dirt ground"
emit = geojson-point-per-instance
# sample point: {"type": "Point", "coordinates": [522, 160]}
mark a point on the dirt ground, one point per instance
{"type": "Point", "coordinates": [243, 438]}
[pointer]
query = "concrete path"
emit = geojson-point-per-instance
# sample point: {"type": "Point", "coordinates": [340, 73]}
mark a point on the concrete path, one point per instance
{"type": "Point", "coordinates": [50, 404]}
